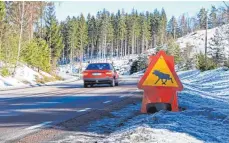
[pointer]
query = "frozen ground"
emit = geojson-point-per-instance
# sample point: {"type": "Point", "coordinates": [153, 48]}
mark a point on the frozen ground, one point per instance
{"type": "Point", "coordinates": [206, 118]}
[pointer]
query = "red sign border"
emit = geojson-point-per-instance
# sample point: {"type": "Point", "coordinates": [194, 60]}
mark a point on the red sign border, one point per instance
{"type": "Point", "coordinates": [170, 63]}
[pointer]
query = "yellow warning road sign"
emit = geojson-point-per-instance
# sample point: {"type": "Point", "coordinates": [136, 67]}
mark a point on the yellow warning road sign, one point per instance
{"type": "Point", "coordinates": [160, 75]}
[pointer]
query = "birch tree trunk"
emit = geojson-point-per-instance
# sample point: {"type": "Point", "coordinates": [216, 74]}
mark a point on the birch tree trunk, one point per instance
{"type": "Point", "coordinates": [20, 36]}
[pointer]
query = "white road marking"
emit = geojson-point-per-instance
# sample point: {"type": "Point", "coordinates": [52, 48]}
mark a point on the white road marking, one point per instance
{"type": "Point", "coordinates": [8, 113]}
{"type": "Point", "coordinates": [44, 124]}
{"type": "Point", "coordinates": [84, 110]}
{"type": "Point", "coordinates": [122, 96]}
{"type": "Point", "coordinates": [107, 102]}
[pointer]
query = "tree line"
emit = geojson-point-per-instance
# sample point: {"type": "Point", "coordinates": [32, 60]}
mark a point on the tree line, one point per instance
{"type": "Point", "coordinates": [31, 33]}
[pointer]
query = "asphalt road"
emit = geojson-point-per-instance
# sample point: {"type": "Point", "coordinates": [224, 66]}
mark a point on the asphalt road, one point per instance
{"type": "Point", "coordinates": [24, 111]}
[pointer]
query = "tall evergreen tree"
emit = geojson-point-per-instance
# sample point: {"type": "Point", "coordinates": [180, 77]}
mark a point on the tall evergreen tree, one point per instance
{"type": "Point", "coordinates": [183, 25]}
{"type": "Point", "coordinates": [91, 34]}
{"type": "Point", "coordinates": [162, 28]}
{"type": "Point", "coordinates": [145, 33]}
{"type": "Point", "coordinates": [83, 36]}
{"type": "Point", "coordinates": [202, 15]}
{"type": "Point", "coordinates": [213, 17]}
{"type": "Point", "coordinates": [110, 36]}
{"type": "Point", "coordinates": [172, 27]}
{"type": "Point", "coordinates": [121, 33]}
{"type": "Point", "coordinates": [155, 22]}
{"type": "Point", "coordinates": [53, 36]}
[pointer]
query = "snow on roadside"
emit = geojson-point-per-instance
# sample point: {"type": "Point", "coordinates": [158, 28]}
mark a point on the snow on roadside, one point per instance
{"type": "Point", "coordinates": [206, 118]}
{"type": "Point", "coordinates": [10, 81]}
{"type": "Point", "coordinates": [25, 73]}
{"type": "Point", "coordinates": [24, 76]}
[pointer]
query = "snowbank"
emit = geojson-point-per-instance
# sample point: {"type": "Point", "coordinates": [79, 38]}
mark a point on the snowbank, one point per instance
{"type": "Point", "coordinates": [24, 75]}
{"type": "Point", "coordinates": [206, 118]}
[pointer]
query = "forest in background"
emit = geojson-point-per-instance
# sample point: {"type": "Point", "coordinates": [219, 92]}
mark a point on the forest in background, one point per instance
{"type": "Point", "coordinates": [30, 33]}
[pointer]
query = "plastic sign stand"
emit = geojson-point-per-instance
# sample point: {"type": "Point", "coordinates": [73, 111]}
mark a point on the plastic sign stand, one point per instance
{"type": "Point", "coordinates": [160, 82]}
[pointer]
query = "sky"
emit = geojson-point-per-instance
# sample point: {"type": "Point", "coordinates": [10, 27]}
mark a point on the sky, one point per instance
{"type": "Point", "coordinates": [172, 8]}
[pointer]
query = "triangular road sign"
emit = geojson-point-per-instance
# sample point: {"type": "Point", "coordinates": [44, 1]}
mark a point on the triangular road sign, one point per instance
{"type": "Point", "coordinates": [160, 73]}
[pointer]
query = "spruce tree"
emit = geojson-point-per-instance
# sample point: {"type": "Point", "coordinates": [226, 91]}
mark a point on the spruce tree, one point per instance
{"type": "Point", "coordinates": [53, 36]}
{"type": "Point", "coordinates": [202, 15]}
{"type": "Point", "coordinates": [213, 17]}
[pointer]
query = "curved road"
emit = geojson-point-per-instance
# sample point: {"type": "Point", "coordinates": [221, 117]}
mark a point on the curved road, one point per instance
{"type": "Point", "coordinates": [24, 111]}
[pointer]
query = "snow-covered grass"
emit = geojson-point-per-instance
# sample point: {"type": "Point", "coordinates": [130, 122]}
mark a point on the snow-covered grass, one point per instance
{"type": "Point", "coordinates": [24, 76]}
{"type": "Point", "coordinates": [206, 118]}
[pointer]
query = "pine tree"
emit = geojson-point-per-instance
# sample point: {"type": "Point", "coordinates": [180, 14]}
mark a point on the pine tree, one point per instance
{"type": "Point", "coordinates": [202, 15]}
{"type": "Point", "coordinates": [213, 17]}
{"type": "Point", "coordinates": [155, 22]}
{"type": "Point", "coordinates": [216, 48]}
{"type": "Point", "coordinates": [110, 36]}
{"type": "Point", "coordinates": [145, 33]}
{"type": "Point", "coordinates": [183, 25]}
{"type": "Point", "coordinates": [173, 49]}
{"type": "Point", "coordinates": [91, 34]}
{"type": "Point", "coordinates": [73, 35]}
{"type": "Point", "coordinates": [115, 33]}
{"type": "Point", "coordinates": [36, 53]}
{"type": "Point", "coordinates": [121, 33]}
{"type": "Point", "coordinates": [83, 36]}
{"type": "Point", "coordinates": [53, 36]}
{"type": "Point", "coordinates": [162, 28]}
{"type": "Point", "coordinates": [172, 27]}
{"type": "Point", "coordinates": [65, 51]}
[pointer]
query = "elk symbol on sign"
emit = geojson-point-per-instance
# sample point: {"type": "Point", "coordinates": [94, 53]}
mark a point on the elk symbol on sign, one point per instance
{"type": "Point", "coordinates": [162, 76]}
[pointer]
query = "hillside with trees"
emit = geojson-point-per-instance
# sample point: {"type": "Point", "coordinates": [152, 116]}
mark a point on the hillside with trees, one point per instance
{"type": "Point", "coordinates": [31, 34]}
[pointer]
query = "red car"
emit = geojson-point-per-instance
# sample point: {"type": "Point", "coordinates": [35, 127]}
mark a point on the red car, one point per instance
{"type": "Point", "coordinates": [100, 73]}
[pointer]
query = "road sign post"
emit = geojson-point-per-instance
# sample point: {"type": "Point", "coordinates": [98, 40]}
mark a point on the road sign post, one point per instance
{"type": "Point", "coordinates": [160, 82]}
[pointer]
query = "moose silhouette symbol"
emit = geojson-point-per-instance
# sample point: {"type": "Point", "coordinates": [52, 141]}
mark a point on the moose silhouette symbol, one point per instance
{"type": "Point", "coordinates": [162, 76]}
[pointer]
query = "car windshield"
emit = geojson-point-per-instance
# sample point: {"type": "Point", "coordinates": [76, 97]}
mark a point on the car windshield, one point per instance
{"type": "Point", "coordinates": [100, 66]}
